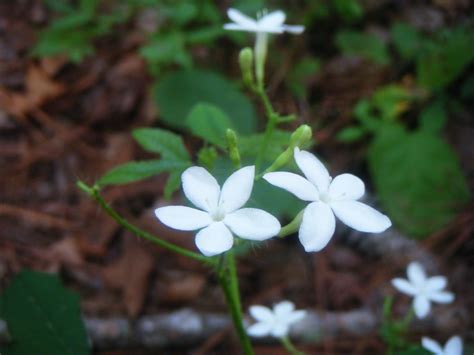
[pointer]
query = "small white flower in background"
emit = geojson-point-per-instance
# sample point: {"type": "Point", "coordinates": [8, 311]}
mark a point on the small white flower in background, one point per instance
{"type": "Point", "coordinates": [276, 322]}
{"type": "Point", "coordinates": [220, 213]}
{"type": "Point", "coordinates": [423, 289]}
{"type": "Point", "coordinates": [268, 23]}
{"type": "Point", "coordinates": [328, 197]}
{"type": "Point", "coordinates": [452, 347]}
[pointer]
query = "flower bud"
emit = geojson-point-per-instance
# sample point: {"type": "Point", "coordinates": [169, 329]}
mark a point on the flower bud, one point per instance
{"type": "Point", "coordinates": [301, 136]}
{"type": "Point", "coordinates": [246, 65]}
{"type": "Point", "coordinates": [232, 147]}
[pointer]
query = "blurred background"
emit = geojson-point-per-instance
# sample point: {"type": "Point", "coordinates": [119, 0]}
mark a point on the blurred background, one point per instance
{"type": "Point", "coordinates": [387, 86]}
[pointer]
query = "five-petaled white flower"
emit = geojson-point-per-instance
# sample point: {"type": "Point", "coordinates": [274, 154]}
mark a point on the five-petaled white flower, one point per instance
{"type": "Point", "coordinates": [269, 23]}
{"type": "Point", "coordinates": [452, 347]}
{"type": "Point", "coordinates": [423, 289]}
{"type": "Point", "coordinates": [276, 322]}
{"type": "Point", "coordinates": [328, 197]}
{"type": "Point", "coordinates": [220, 212]}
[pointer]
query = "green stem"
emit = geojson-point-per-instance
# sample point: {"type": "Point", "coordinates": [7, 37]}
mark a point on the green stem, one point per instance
{"type": "Point", "coordinates": [290, 347]}
{"type": "Point", "coordinates": [271, 123]}
{"type": "Point", "coordinates": [230, 286]}
{"type": "Point", "coordinates": [94, 193]}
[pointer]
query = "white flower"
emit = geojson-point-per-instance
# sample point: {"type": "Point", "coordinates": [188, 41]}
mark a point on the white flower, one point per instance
{"type": "Point", "coordinates": [452, 347]}
{"type": "Point", "coordinates": [268, 23]}
{"type": "Point", "coordinates": [276, 322]}
{"type": "Point", "coordinates": [328, 197]}
{"type": "Point", "coordinates": [423, 289]}
{"type": "Point", "coordinates": [220, 213]}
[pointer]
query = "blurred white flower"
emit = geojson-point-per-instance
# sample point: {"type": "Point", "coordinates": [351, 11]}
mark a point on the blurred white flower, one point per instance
{"type": "Point", "coordinates": [423, 289]}
{"type": "Point", "coordinates": [328, 197]}
{"type": "Point", "coordinates": [452, 347]}
{"type": "Point", "coordinates": [276, 322]}
{"type": "Point", "coordinates": [220, 213]}
{"type": "Point", "coordinates": [268, 23]}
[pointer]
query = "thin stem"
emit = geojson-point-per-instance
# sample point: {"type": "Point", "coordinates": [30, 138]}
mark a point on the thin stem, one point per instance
{"type": "Point", "coordinates": [94, 193]}
{"type": "Point", "coordinates": [271, 123]}
{"type": "Point", "coordinates": [293, 226]}
{"type": "Point", "coordinates": [286, 342]}
{"type": "Point", "coordinates": [229, 284]}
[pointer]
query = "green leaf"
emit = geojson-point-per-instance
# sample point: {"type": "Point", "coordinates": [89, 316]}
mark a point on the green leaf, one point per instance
{"type": "Point", "coordinates": [43, 317]}
{"type": "Point", "coordinates": [178, 92]}
{"type": "Point", "coordinates": [139, 170]}
{"type": "Point", "coordinates": [391, 101]}
{"type": "Point", "coordinates": [172, 184]}
{"type": "Point", "coordinates": [364, 45]}
{"type": "Point", "coordinates": [166, 143]}
{"type": "Point", "coordinates": [443, 60]}
{"type": "Point", "coordinates": [407, 40]}
{"type": "Point", "coordinates": [418, 179]}
{"type": "Point", "coordinates": [349, 10]}
{"type": "Point", "coordinates": [351, 134]}
{"type": "Point", "coordinates": [433, 117]}
{"type": "Point", "coordinates": [279, 142]}
{"type": "Point", "coordinates": [299, 74]}
{"type": "Point", "coordinates": [210, 123]}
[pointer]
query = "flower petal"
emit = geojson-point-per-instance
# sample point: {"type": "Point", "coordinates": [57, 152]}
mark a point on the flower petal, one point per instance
{"type": "Point", "coordinates": [241, 19]}
{"type": "Point", "coordinates": [313, 169]}
{"type": "Point", "coordinates": [404, 286]}
{"type": "Point", "coordinates": [436, 283]}
{"type": "Point", "coordinates": [237, 27]}
{"type": "Point", "coordinates": [183, 218]}
{"type": "Point", "coordinates": [416, 274]}
{"type": "Point", "coordinates": [296, 316]}
{"type": "Point", "coordinates": [431, 345]}
{"type": "Point", "coordinates": [252, 223]}
{"type": "Point", "coordinates": [317, 227]}
{"type": "Point", "coordinates": [283, 308]}
{"type": "Point", "coordinates": [422, 306]}
{"type": "Point", "coordinates": [453, 346]}
{"type": "Point", "coordinates": [296, 184]}
{"type": "Point", "coordinates": [361, 217]}
{"type": "Point", "coordinates": [260, 329]}
{"type": "Point", "coordinates": [346, 187]}
{"type": "Point", "coordinates": [214, 239]}
{"type": "Point", "coordinates": [201, 188]}
{"type": "Point", "coordinates": [261, 313]}
{"type": "Point", "coordinates": [280, 329]}
{"type": "Point", "coordinates": [237, 189]}
{"type": "Point", "coordinates": [442, 297]}
{"type": "Point", "coordinates": [272, 21]}
{"type": "Point", "coordinates": [295, 29]}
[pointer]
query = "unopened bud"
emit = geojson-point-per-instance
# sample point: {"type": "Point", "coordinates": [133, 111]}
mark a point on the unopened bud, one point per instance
{"type": "Point", "coordinates": [301, 136]}
{"type": "Point", "coordinates": [233, 148]}
{"type": "Point", "coordinates": [246, 66]}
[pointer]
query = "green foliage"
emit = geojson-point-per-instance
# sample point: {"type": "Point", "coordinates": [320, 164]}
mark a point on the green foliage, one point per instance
{"type": "Point", "coordinates": [178, 92]}
{"type": "Point", "coordinates": [433, 118]}
{"type": "Point", "coordinates": [248, 145]}
{"type": "Point", "coordinates": [207, 157]}
{"type": "Point", "coordinates": [43, 317]}
{"type": "Point", "coordinates": [174, 160]}
{"type": "Point", "coordinates": [139, 170]}
{"type": "Point", "coordinates": [351, 134]}
{"type": "Point", "coordinates": [349, 10]}
{"type": "Point", "coordinates": [210, 123]}
{"type": "Point", "coordinates": [168, 144]}
{"type": "Point", "coordinates": [407, 40]}
{"type": "Point", "coordinates": [443, 59]}
{"type": "Point", "coordinates": [305, 68]}
{"type": "Point", "coordinates": [364, 45]}
{"type": "Point", "coordinates": [418, 179]}
{"type": "Point", "coordinates": [73, 33]}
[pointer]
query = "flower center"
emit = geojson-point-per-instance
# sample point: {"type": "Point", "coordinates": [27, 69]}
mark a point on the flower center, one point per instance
{"type": "Point", "coordinates": [324, 197]}
{"type": "Point", "coordinates": [218, 214]}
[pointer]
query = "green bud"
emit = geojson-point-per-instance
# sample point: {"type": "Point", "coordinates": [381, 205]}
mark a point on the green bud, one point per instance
{"type": "Point", "coordinates": [207, 157]}
{"type": "Point", "coordinates": [233, 148]}
{"type": "Point", "coordinates": [301, 136]}
{"type": "Point", "coordinates": [246, 66]}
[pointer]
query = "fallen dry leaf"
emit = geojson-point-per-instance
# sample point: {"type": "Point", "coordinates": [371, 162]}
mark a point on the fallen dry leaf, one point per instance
{"type": "Point", "coordinates": [130, 274]}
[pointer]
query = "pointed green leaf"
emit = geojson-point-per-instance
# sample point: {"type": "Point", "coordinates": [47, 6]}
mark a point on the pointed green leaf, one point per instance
{"type": "Point", "coordinates": [43, 317]}
{"type": "Point", "coordinates": [166, 143]}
